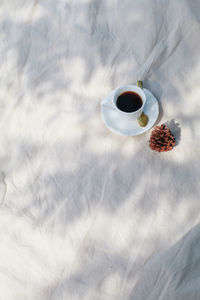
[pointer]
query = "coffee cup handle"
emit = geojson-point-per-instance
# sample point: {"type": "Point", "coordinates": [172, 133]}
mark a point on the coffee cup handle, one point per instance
{"type": "Point", "coordinates": [108, 102]}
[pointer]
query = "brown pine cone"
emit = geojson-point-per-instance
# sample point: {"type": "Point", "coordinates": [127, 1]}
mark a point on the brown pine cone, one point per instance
{"type": "Point", "coordinates": [161, 139]}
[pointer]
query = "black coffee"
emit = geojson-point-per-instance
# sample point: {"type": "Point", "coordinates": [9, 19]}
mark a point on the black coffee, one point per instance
{"type": "Point", "coordinates": [129, 102]}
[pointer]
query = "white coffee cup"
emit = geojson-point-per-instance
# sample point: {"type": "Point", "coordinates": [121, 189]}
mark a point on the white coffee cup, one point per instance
{"type": "Point", "coordinates": [130, 88]}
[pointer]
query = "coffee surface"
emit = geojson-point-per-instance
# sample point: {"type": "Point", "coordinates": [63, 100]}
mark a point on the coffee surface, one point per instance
{"type": "Point", "coordinates": [129, 102]}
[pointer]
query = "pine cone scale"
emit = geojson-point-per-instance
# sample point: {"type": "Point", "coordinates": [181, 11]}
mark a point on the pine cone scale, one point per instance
{"type": "Point", "coordinates": [161, 139]}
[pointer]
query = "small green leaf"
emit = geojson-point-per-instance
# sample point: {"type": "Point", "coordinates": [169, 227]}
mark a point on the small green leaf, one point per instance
{"type": "Point", "coordinates": [140, 84]}
{"type": "Point", "coordinates": [143, 120]}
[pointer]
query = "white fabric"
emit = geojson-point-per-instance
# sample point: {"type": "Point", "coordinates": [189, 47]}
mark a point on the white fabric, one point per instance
{"type": "Point", "coordinates": [87, 214]}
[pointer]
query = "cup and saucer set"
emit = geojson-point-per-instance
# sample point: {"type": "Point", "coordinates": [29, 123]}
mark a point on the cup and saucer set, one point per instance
{"type": "Point", "coordinates": [124, 109]}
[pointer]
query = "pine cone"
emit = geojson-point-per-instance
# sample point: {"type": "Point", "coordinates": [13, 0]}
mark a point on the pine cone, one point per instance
{"type": "Point", "coordinates": [161, 139]}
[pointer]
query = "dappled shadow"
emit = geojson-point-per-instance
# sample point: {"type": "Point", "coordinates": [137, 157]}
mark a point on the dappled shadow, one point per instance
{"type": "Point", "coordinates": [176, 268]}
{"type": "Point", "coordinates": [101, 200]}
{"type": "Point", "coordinates": [107, 199]}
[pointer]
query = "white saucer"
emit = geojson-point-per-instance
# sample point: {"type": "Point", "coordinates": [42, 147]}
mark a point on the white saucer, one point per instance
{"type": "Point", "coordinates": [123, 125]}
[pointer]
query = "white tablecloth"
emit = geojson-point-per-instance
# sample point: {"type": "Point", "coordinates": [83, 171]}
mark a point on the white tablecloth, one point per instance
{"type": "Point", "coordinates": [85, 213]}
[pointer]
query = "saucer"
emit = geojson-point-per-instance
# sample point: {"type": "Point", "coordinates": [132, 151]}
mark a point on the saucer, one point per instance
{"type": "Point", "coordinates": [123, 125]}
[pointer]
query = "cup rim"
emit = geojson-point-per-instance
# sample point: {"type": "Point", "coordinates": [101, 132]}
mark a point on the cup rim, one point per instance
{"type": "Point", "coordinates": [127, 88]}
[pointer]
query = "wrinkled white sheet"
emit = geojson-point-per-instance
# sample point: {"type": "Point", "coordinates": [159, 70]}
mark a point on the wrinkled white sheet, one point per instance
{"type": "Point", "coordinates": [84, 213]}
